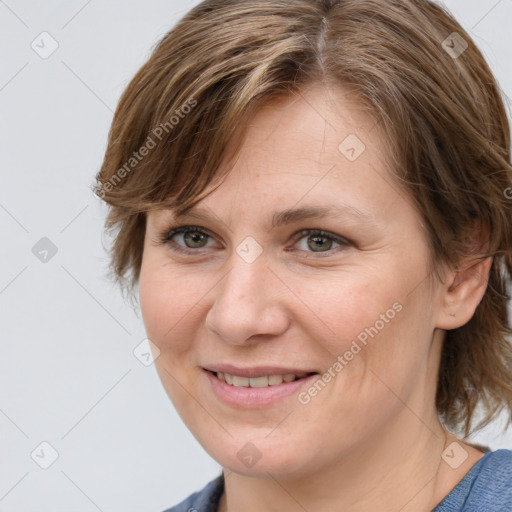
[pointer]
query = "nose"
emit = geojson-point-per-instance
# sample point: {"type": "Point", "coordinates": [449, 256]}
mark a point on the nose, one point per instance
{"type": "Point", "coordinates": [249, 304]}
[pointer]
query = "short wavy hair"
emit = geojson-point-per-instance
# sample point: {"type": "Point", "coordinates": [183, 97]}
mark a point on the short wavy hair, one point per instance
{"type": "Point", "coordinates": [411, 64]}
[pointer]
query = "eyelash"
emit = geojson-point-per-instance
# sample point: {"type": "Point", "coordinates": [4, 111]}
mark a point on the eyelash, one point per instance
{"type": "Point", "coordinates": [166, 239]}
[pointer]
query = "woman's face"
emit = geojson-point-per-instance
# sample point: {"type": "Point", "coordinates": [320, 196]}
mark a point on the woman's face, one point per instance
{"type": "Point", "coordinates": [308, 259]}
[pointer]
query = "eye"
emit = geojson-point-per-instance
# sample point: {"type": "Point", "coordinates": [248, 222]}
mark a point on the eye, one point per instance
{"type": "Point", "coordinates": [316, 240]}
{"type": "Point", "coordinates": [187, 237]}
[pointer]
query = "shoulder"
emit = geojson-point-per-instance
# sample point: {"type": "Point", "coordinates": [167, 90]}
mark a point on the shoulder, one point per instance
{"type": "Point", "coordinates": [487, 486]}
{"type": "Point", "coordinates": [492, 485]}
{"type": "Point", "coordinates": [205, 500]}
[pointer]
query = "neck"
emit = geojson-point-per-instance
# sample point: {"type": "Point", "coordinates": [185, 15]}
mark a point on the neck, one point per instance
{"type": "Point", "coordinates": [402, 470]}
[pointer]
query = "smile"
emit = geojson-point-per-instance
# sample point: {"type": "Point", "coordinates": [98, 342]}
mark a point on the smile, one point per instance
{"type": "Point", "coordinates": [258, 382]}
{"type": "Point", "coordinates": [244, 392]}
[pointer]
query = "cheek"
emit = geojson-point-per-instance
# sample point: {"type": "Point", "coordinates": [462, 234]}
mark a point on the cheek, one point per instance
{"type": "Point", "coordinates": [170, 304]}
{"type": "Point", "coordinates": [369, 320]}
{"type": "Point", "coordinates": [353, 307]}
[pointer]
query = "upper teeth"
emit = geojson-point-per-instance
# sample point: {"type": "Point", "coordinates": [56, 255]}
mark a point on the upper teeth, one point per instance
{"type": "Point", "coordinates": [258, 382]}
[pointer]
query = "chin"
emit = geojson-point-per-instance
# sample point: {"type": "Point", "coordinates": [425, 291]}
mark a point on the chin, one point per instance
{"type": "Point", "coordinates": [261, 457]}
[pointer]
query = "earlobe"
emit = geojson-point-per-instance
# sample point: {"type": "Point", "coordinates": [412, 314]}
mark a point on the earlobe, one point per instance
{"type": "Point", "coordinates": [465, 289]}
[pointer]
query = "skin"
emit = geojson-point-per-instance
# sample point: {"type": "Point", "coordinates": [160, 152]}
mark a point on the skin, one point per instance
{"type": "Point", "coordinates": [371, 439]}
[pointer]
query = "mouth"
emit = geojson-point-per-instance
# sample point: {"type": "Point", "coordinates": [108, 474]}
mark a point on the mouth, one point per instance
{"type": "Point", "coordinates": [256, 387]}
{"type": "Point", "coordinates": [262, 381]}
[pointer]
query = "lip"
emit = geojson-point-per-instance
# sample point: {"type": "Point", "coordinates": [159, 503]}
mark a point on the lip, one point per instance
{"type": "Point", "coordinates": [253, 398]}
{"type": "Point", "coordinates": [256, 371]}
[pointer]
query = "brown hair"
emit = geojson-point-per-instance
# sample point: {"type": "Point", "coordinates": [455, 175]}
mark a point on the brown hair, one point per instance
{"type": "Point", "coordinates": [436, 100]}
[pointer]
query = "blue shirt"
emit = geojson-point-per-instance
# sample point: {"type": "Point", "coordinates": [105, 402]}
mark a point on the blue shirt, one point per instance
{"type": "Point", "coordinates": [486, 488]}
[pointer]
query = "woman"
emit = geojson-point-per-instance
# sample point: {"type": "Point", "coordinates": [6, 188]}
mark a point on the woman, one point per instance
{"type": "Point", "coordinates": [311, 196]}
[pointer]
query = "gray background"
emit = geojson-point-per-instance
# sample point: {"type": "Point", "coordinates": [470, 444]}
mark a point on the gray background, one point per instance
{"type": "Point", "coordinates": [68, 373]}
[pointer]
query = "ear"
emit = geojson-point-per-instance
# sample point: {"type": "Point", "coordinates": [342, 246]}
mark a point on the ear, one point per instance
{"type": "Point", "coordinates": [465, 286]}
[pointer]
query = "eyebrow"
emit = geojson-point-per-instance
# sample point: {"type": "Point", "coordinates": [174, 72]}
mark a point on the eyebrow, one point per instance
{"type": "Point", "coordinates": [293, 215]}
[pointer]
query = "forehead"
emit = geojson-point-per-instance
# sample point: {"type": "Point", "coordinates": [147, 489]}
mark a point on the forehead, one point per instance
{"type": "Point", "coordinates": [313, 154]}
{"type": "Point", "coordinates": [314, 144]}
{"type": "Point", "coordinates": [316, 115]}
